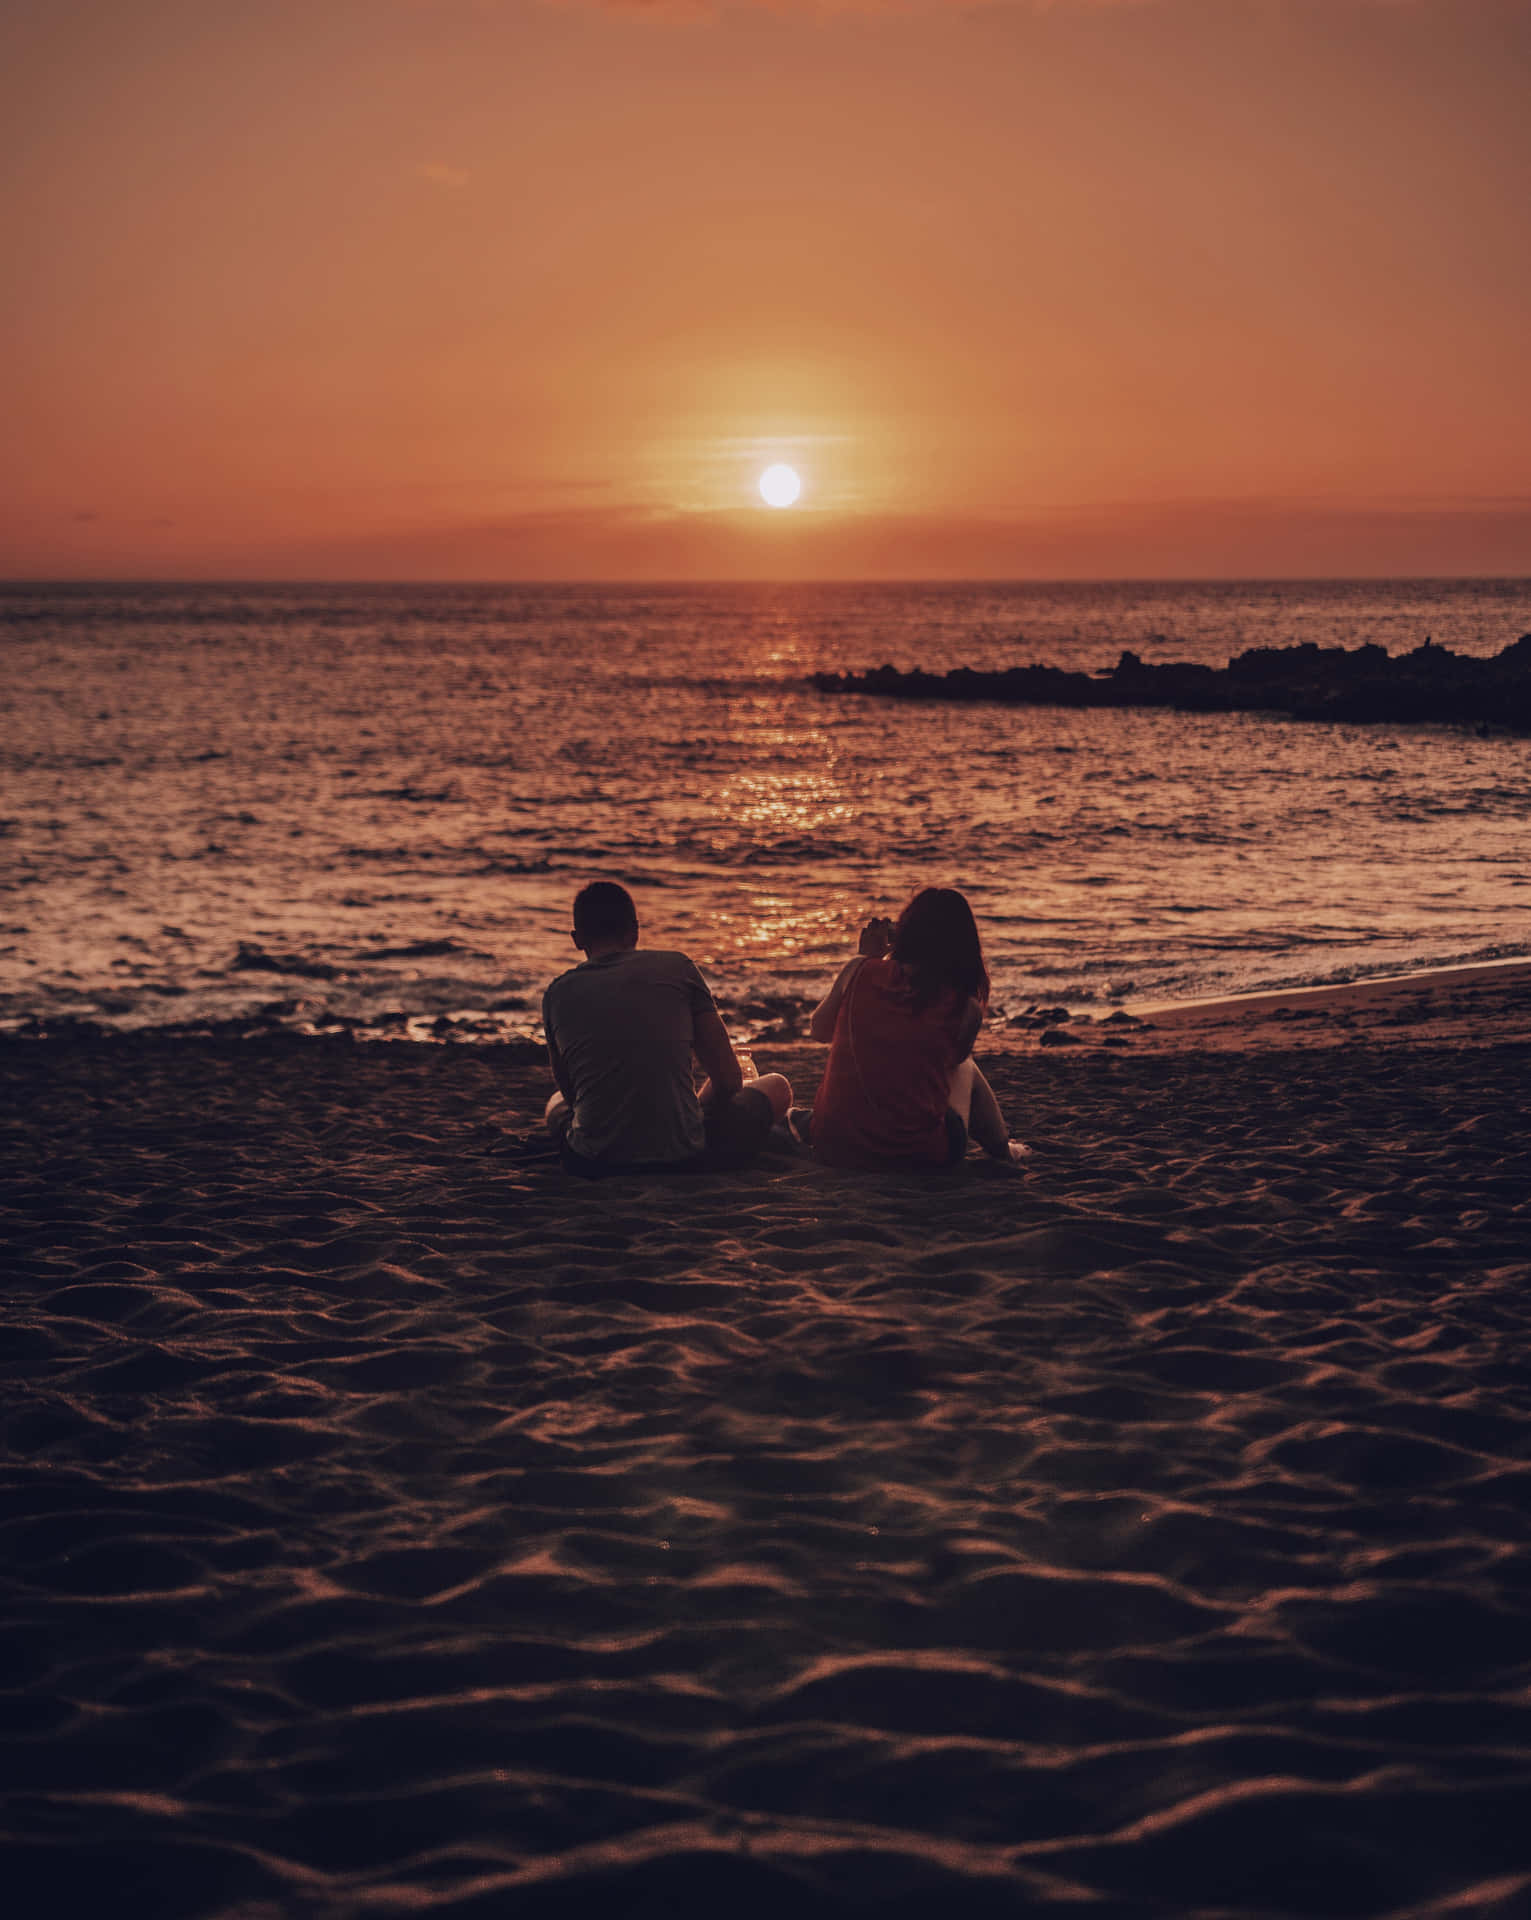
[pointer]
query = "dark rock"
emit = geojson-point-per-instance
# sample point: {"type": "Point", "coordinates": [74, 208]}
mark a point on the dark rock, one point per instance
{"type": "Point", "coordinates": [1307, 682]}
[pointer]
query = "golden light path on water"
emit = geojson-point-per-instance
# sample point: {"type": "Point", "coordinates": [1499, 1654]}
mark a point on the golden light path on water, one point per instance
{"type": "Point", "coordinates": [767, 804]}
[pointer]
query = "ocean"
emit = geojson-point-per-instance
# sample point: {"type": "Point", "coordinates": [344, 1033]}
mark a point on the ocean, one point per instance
{"type": "Point", "coordinates": [367, 808]}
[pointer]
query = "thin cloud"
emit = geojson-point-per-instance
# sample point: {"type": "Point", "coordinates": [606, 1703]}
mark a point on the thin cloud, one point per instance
{"type": "Point", "coordinates": [686, 12]}
{"type": "Point", "coordinates": [441, 175]}
{"type": "Point", "coordinates": [672, 11]}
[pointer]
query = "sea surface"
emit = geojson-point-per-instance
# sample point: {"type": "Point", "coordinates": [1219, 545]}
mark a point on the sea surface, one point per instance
{"type": "Point", "coordinates": [367, 808]}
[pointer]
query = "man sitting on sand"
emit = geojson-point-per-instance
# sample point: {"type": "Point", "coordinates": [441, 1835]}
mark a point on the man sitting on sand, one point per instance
{"type": "Point", "coordinates": [621, 1029]}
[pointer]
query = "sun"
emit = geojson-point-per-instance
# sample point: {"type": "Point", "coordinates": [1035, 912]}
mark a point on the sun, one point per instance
{"type": "Point", "coordinates": [779, 486]}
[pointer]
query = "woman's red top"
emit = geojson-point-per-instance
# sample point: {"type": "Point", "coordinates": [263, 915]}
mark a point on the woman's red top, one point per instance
{"type": "Point", "coordinates": [887, 1085]}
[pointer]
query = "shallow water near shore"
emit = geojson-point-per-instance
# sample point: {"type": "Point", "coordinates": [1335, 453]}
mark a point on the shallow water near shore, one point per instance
{"type": "Point", "coordinates": [368, 809]}
{"type": "Point", "coordinates": [391, 1524]}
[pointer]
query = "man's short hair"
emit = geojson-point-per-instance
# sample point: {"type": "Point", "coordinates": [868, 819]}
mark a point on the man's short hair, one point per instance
{"type": "Point", "coordinates": [603, 911]}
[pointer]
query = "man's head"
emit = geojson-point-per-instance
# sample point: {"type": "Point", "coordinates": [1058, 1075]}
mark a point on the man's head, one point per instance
{"type": "Point", "coordinates": [604, 917]}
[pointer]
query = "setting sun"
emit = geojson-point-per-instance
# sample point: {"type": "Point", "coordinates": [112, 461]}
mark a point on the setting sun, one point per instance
{"type": "Point", "coordinates": [779, 486]}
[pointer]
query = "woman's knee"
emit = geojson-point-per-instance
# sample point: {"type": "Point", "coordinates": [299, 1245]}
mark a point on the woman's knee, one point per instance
{"type": "Point", "coordinates": [959, 1095]}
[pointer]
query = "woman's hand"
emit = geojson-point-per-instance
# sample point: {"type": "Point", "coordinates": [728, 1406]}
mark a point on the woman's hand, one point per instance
{"type": "Point", "coordinates": [876, 939]}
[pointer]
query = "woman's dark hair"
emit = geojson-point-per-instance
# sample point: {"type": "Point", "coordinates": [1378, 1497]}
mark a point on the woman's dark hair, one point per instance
{"type": "Point", "coordinates": [936, 943]}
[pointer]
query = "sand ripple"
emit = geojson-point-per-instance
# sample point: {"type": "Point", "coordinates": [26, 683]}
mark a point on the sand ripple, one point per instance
{"type": "Point", "coordinates": [388, 1523]}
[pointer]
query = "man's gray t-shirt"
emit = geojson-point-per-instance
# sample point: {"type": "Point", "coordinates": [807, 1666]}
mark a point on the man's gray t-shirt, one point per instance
{"type": "Point", "coordinates": [622, 1026]}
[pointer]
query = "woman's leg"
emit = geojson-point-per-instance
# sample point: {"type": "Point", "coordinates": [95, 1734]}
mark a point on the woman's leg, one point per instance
{"type": "Point", "coordinates": [972, 1099]}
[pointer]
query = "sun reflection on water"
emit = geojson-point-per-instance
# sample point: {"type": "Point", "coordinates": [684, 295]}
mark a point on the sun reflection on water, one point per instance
{"type": "Point", "coordinates": [770, 804]}
{"type": "Point", "coordinates": [772, 927]}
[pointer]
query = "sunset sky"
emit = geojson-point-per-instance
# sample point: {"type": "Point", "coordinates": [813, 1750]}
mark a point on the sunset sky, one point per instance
{"type": "Point", "coordinates": [500, 289]}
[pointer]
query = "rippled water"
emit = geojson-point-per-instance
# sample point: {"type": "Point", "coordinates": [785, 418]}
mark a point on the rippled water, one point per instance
{"type": "Point", "coordinates": [370, 807]}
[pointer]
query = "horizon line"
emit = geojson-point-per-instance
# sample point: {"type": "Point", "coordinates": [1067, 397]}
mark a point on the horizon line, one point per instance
{"type": "Point", "coordinates": [587, 581]}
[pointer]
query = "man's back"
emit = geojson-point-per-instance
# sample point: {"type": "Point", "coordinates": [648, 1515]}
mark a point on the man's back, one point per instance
{"type": "Point", "coordinates": [623, 1026]}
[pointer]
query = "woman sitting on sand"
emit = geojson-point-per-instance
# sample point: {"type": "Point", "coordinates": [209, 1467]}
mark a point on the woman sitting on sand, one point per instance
{"type": "Point", "coordinates": [902, 1088]}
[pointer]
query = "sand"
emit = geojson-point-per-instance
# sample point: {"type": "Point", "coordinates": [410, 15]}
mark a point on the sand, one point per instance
{"type": "Point", "coordinates": [390, 1524]}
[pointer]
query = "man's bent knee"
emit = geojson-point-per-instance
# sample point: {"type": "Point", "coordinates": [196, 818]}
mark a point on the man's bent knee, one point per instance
{"type": "Point", "coordinates": [777, 1088]}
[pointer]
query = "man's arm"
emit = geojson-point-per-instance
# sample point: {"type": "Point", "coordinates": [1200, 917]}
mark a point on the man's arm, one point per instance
{"type": "Point", "coordinates": [711, 1045]}
{"type": "Point", "coordinates": [556, 1066]}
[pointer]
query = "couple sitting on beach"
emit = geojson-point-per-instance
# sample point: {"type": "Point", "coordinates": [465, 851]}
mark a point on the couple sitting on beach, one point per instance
{"type": "Point", "coordinates": [901, 1088]}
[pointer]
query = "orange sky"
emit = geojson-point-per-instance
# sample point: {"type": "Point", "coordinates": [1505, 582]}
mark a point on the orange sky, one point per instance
{"type": "Point", "coordinates": [501, 289]}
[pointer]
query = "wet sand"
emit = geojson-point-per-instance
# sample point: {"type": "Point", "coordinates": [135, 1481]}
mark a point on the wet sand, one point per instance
{"type": "Point", "coordinates": [389, 1523]}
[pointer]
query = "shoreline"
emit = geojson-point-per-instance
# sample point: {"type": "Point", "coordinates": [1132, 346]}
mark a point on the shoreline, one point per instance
{"type": "Point", "coordinates": [1477, 1004]}
{"type": "Point", "coordinates": [1214, 1018]}
{"type": "Point", "coordinates": [1463, 968]}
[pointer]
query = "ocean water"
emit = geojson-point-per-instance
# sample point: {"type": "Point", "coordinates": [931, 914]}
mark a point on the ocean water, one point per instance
{"type": "Point", "coordinates": [368, 808]}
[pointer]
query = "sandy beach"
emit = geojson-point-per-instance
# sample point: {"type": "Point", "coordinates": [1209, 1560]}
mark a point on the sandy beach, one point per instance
{"type": "Point", "coordinates": [391, 1524]}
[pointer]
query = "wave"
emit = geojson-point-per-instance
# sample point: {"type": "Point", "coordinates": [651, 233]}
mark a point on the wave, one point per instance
{"type": "Point", "coordinates": [414, 795]}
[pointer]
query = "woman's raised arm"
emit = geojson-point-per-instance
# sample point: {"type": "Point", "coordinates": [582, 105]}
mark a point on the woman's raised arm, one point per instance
{"type": "Point", "coordinates": [821, 1022]}
{"type": "Point", "coordinates": [875, 941]}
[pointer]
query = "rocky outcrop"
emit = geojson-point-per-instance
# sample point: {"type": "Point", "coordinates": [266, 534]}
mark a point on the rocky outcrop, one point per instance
{"type": "Point", "coordinates": [1307, 682]}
